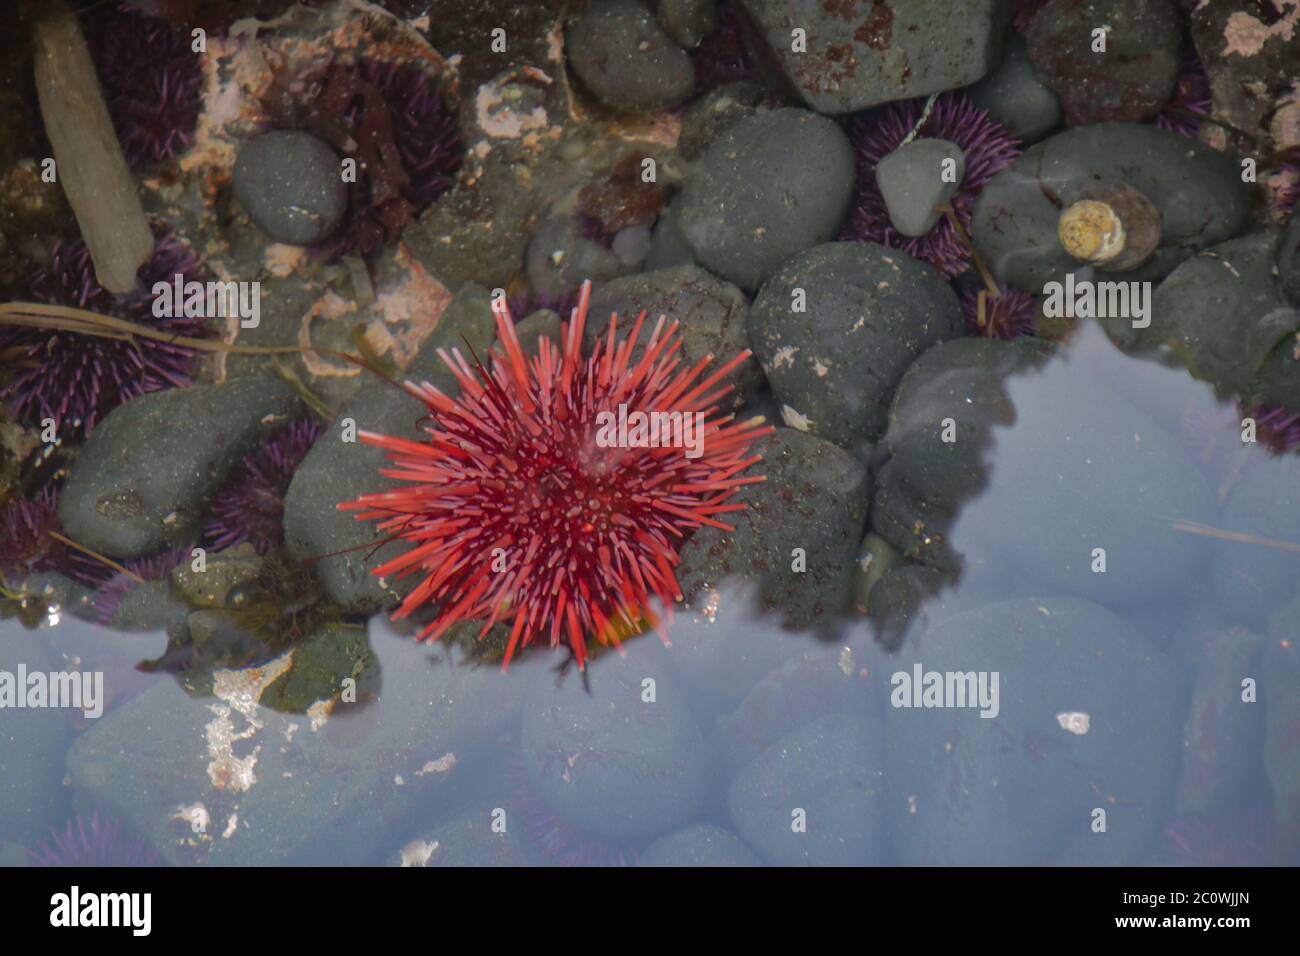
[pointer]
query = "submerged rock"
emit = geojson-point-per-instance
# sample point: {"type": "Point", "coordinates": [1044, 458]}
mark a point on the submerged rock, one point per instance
{"type": "Point", "coordinates": [1197, 192]}
{"type": "Point", "coordinates": [703, 845]}
{"type": "Point", "coordinates": [771, 185]}
{"type": "Point", "coordinates": [1087, 718]}
{"type": "Point", "coordinates": [626, 59]}
{"type": "Point", "coordinates": [141, 480]}
{"type": "Point", "coordinates": [292, 185]}
{"type": "Point", "coordinates": [1016, 96]}
{"type": "Point", "coordinates": [863, 52]}
{"type": "Point", "coordinates": [836, 327]}
{"type": "Point", "coordinates": [1131, 79]}
{"type": "Point", "coordinates": [817, 797]}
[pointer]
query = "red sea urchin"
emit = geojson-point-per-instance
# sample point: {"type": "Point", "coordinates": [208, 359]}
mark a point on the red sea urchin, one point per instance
{"type": "Point", "coordinates": [518, 507]}
{"type": "Point", "coordinates": [74, 379]}
{"type": "Point", "coordinates": [153, 82]}
{"type": "Point", "coordinates": [988, 148]}
{"type": "Point", "coordinates": [250, 505]}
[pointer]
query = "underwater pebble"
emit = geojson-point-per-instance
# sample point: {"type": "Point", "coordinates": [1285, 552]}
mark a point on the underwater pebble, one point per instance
{"type": "Point", "coordinates": [292, 186]}
{"type": "Point", "coordinates": [608, 762]}
{"type": "Point", "coordinates": [1020, 788]}
{"type": "Point", "coordinates": [1251, 582]}
{"type": "Point", "coordinates": [141, 480]}
{"type": "Point", "coordinates": [717, 111]}
{"type": "Point", "coordinates": [771, 185]}
{"type": "Point", "coordinates": [869, 312]}
{"type": "Point", "coordinates": [1016, 96]}
{"type": "Point", "coordinates": [1197, 190]}
{"type": "Point", "coordinates": [466, 840]}
{"type": "Point", "coordinates": [862, 52]}
{"type": "Point", "coordinates": [832, 770]}
{"type": "Point", "coordinates": [1224, 314]}
{"type": "Point", "coordinates": [668, 247]}
{"type": "Point", "coordinates": [912, 186]}
{"type": "Point", "coordinates": [559, 260]}
{"type": "Point", "coordinates": [1131, 80]}
{"type": "Point", "coordinates": [688, 22]}
{"type": "Point", "coordinates": [815, 498]}
{"type": "Point", "coordinates": [32, 745]}
{"type": "Point", "coordinates": [335, 471]}
{"type": "Point", "coordinates": [703, 845]}
{"type": "Point", "coordinates": [623, 56]}
{"type": "Point", "coordinates": [150, 607]}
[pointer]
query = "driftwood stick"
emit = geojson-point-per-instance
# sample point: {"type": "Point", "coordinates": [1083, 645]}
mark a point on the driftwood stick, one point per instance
{"type": "Point", "coordinates": [91, 167]}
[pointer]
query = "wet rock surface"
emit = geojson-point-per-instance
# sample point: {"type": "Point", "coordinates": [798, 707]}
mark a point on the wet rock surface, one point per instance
{"type": "Point", "coordinates": [913, 181]}
{"type": "Point", "coordinates": [1016, 95]}
{"type": "Point", "coordinates": [1020, 788]}
{"type": "Point", "coordinates": [1131, 79]}
{"type": "Point", "coordinates": [699, 846]}
{"type": "Point", "coordinates": [770, 186]}
{"type": "Point", "coordinates": [814, 498]}
{"type": "Point", "coordinates": [1197, 191]}
{"type": "Point", "coordinates": [832, 772]}
{"type": "Point", "coordinates": [292, 185]}
{"type": "Point", "coordinates": [868, 312]}
{"type": "Point", "coordinates": [626, 59]}
{"type": "Point", "coordinates": [125, 503]}
{"type": "Point", "coordinates": [863, 52]}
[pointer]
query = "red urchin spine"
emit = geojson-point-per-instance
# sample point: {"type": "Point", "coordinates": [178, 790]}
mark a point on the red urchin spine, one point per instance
{"type": "Point", "coordinates": [514, 511]}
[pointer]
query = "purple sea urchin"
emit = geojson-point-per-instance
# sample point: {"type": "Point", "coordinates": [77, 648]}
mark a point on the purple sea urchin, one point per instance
{"type": "Point", "coordinates": [250, 505]}
{"type": "Point", "coordinates": [26, 545]}
{"type": "Point", "coordinates": [153, 82]}
{"type": "Point", "coordinates": [398, 126]}
{"type": "Point", "coordinates": [75, 379]}
{"type": "Point", "coordinates": [988, 148]}
{"type": "Point", "coordinates": [721, 57]}
{"type": "Point", "coordinates": [1009, 316]}
{"type": "Point", "coordinates": [92, 843]}
{"type": "Point", "coordinates": [153, 568]}
{"type": "Point", "coordinates": [1278, 428]}
{"type": "Point", "coordinates": [1191, 102]}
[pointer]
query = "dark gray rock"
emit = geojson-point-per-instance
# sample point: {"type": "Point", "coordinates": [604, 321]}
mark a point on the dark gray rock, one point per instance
{"type": "Point", "coordinates": [1016, 95]}
{"type": "Point", "coordinates": [608, 762]}
{"type": "Point", "coordinates": [291, 183]}
{"type": "Point", "coordinates": [559, 260]}
{"type": "Point", "coordinates": [712, 314]}
{"type": "Point", "coordinates": [466, 840]}
{"type": "Point", "coordinates": [668, 247]}
{"type": "Point", "coordinates": [913, 186]}
{"type": "Point", "coordinates": [335, 471]}
{"type": "Point", "coordinates": [474, 234]}
{"type": "Point", "coordinates": [703, 845]}
{"type": "Point", "coordinates": [141, 480]}
{"type": "Point", "coordinates": [1020, 788]}
{"type": "Point", "coordinates": [688, 22]}
{"type": "Point", "coordinates": [900, 598]}
{"type": "Point", "coordinates": [832, 769]}
{"type": "Point", "coordinates": [1131, 80]}
{"type": "Point", "coordinates": [815, 499]}
{"type": "Point", "coordinates": [1252, 581]}
{"type": "Point", "coordinates": [770, 186]}
{"type": "Point", "coordinates": [150, 607]}
{"type": "Point", "coordinates": [623, 57]}
{"type": "Point", "coordinates": [862, 52]}
{"type": "Point", "coordinates": [717, 111]}
{"type": "Point", "coordinates": [1224, 315]}
{"type": "Point", "coordinates": [1197, 190]}
{"type": "Point", "coordinates": [1288, 261]}
{"type": "Point", "coordinates": [870, 311]}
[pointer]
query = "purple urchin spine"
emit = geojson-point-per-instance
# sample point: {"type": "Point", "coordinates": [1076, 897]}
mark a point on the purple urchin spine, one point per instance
{"type": "Point", "coordinates": [250, 505]}
{"type": "Point", "coordinates": [92, 842]}
{"type": "Point", "coordinates": [1010, 315]}
{"type": "Point", "coordinates": [153, 82]}
{"type": "Point", "coordinates": [26, 546]}
{"type": "Point", "coordinates": [1191, 103]}
{"type": "Point", "coordinates": [988, 149]}
{"type": "Point", "coordinates": [156, 567]}
{"type": "Point", "coordinates": [75, 379]}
